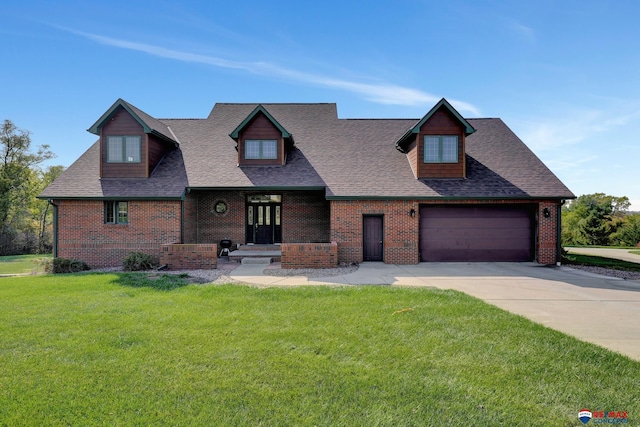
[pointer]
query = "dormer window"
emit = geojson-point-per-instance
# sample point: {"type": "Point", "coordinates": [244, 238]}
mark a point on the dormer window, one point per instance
{"type": "Point", "coordinates": [260, 149]}
{"type": "Point", "coordinates": [441, 149]}
{"type": "Point", "coordinates": [123, 149]}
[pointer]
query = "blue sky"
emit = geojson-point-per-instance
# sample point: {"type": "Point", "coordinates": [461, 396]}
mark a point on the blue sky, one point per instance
{"type": "Point", "coordinates": [564, 75]}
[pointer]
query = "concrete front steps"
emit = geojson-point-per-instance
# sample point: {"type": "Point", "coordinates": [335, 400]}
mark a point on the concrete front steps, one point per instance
{"type": "Point", "coordinates": [256, 254]}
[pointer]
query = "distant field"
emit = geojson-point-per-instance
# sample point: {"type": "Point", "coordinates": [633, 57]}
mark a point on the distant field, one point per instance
{"type": "Point", "coordinates": [21, 264]}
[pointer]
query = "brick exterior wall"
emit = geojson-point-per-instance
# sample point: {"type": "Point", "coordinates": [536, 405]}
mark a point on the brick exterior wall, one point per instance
{"type": "Point", "coordinates": [83, 235]}
{"type": "Point", "coordinates": [305, 216]}
{"type": "Point", "coordinates": [401, 230]}
{"type": "Point", "coordinates": [400, 233]}
{"type": "Point", "coordinates": [189, 256]}
{"type": "Point", "coordinates": [548, 233]}
{"type": "Point", "coordinates": [309, 255]}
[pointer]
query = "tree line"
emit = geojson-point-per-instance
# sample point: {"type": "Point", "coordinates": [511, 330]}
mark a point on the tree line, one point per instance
{"type": "Point", "coordinates": [600, 220]}
{"type": "Point", "coordinates": [25, 221]}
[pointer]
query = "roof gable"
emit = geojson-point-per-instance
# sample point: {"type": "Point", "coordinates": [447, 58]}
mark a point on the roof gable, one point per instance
{"type": "Point", "coordinates": [410, 134]}
{"type": "Point", "coordinates": [148, 123]}
{"type": "Point", "coordinates": [259, 109]}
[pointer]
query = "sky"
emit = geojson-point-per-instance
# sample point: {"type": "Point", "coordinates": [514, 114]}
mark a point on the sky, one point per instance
{"type": "Point", "coordinates": [563, 75]}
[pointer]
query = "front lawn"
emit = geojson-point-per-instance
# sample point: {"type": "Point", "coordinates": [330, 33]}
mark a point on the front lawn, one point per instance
{"type": "Point", "coordinates": [127, 349]}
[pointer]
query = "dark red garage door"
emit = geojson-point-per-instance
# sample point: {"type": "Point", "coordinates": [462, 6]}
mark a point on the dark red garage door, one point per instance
{"type": "Point", "coordinates": [476, 233]}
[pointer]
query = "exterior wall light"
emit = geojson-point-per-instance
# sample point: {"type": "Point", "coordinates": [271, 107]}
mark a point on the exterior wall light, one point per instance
{"type": "Point", "coordinates": [412, 213]}
{"type": "Point", "coordinates": [546, 212]}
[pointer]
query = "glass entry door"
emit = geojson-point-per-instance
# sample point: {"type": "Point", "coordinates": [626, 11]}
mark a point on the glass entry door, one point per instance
{"type": "Point", "coordinates": [264, 220]}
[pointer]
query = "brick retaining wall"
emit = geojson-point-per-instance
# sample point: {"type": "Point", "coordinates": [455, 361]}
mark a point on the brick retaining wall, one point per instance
{"type": "Point", "coordinates": [309, 255]}
{"type": "Point", "coordinates": [189, 256]}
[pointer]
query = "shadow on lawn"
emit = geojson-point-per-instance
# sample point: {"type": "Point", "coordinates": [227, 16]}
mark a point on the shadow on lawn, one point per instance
{"type": "Point", "coordinates": [153, 280]}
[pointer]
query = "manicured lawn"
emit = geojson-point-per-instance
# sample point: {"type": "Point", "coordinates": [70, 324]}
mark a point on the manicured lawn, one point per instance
{"type": "Point", "coordinates": [635, 252]}
{"type": "Point", "coordinates": [616, 264]}
{"type": "Point", "coordinates": [21, 264]}
{"type": "Point", "coordinates": [116, 349]}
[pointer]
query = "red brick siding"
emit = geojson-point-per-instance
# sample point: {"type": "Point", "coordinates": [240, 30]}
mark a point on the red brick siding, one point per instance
{"type": "Point", "coordinates": [442, 122]}
{"type": "Point", "coordinates": [309, 255]}
{"type": "Point", "coordinates": [401, 231]}
{"type": "Point", "coordinates": [189, 257]}
{"type": "Point", "coordinates": [547, 233]}
{"type": "Point", "coordinates": [305, 216]}
{"type": "Point", "coordinates": [83, 235]}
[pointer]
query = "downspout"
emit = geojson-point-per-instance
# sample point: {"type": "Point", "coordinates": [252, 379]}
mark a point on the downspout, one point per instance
{"type": "Point", "coordinates": [559, 233]}
{"type": "Point", "coordinates": [55, 228]}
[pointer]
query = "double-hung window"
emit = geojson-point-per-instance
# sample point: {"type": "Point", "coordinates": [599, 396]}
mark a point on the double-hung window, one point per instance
{"type": "Point", "coordinates": [116, 212]}
{"type": "Point", "coordinates": [123, 149]}
{"type": "Point", "coordinates": [441, 149]}
{"type": "Point", "coordinates": [260, 149]}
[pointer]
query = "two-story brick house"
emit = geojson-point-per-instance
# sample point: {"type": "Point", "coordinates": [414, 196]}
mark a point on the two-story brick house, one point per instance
{"type": "Point", "coordinates": [439, 188]}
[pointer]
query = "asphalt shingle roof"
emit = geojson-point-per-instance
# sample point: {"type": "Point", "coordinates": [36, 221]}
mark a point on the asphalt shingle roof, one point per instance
{"type": "Point", "coordinates": [351, 158]}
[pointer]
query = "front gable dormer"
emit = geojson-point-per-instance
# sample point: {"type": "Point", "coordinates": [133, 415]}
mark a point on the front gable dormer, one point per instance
{"type": "Point", "coordinates": [435, 146]}
{"type": "Point", "coordinates": [261, 140]}
{"type": "Point", "coordinates": [132, 143]}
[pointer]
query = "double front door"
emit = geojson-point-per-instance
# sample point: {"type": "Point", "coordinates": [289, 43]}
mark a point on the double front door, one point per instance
{"type": "Point", "coordinates": [264, 223]}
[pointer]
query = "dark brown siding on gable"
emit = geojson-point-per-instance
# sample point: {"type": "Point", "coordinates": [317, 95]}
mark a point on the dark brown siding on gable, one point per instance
{"type": "Point", "coordinates": [442, 122]}
{"type": "Point", "coordinates": [123, 124]}
{"type": "Point", "coordinates": [157, 150]}
{"type": "Point", "coordinates": [261, 128]}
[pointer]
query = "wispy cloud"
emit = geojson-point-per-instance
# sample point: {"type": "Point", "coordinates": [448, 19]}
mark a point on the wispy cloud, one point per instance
{"type": "Point", "coordinates": [524, 31]}
{"type": "Point", "coordinates": [382, 93]}
{"type": "Point", "coordinates": [558, 132]}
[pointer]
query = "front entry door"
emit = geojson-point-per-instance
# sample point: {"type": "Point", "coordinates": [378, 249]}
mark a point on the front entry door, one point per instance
{"type": "Point", "coordinates": [264, 223]}
{"type": "Point", "coordinates": [372, 238]}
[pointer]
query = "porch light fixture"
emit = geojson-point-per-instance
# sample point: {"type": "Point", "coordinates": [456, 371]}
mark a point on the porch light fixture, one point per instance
{"type": "Point", "coordinates": [412, 213]}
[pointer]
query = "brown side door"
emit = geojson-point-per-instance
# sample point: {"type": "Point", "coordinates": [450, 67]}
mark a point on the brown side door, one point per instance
{"type": "Point", "coordinates": [372, 238]}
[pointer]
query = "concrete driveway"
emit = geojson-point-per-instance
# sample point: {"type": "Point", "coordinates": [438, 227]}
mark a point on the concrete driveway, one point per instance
{"type": "Point", "coordinates": [622, 254]}
{"type": "Point", "coordinates": [597, 309]}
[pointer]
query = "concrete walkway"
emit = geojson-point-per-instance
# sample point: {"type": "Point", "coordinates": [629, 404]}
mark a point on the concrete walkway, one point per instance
{"type": "Point", "coordinates": [622, 254]}
{"type": "Point", "coordinates": [593, 308]}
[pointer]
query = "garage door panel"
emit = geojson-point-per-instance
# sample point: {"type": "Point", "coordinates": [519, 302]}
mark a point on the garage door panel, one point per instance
{"type": "Point", "coordinates": [478, 233]}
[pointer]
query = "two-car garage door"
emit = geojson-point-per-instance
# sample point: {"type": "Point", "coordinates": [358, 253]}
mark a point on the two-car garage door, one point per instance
{"type": "Point", "coordinates": [476, 233]}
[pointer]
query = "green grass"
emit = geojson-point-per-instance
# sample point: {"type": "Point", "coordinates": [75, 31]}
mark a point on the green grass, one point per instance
{"type": "Point", "coordinates": [635, 252]}
{"type": "Point", "coordinates": [598, 261]}
{"type": "Point", "coordinates": [21, 264]}
{"type": "Point", "coordinates": [129, 349]}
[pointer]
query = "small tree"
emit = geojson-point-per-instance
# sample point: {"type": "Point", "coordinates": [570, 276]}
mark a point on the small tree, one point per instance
{"type": "Point", "coordinates": [592, 218]}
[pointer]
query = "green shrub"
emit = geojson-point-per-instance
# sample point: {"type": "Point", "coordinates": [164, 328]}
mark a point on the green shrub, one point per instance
{"type": "Point", "coordinates": [137, 261]}
{"type": "Point", "coordinates": [63, 265]}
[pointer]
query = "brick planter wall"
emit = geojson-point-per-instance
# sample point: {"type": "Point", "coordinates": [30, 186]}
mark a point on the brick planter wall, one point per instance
{"type": "Point", "coordinates": [189, 256]}
{"type": "Point", "coordinates": [309, 255]}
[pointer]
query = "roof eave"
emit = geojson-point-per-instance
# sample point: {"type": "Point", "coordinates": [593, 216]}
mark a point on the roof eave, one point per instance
{"type": "Point", "coordinates": [235, 135]}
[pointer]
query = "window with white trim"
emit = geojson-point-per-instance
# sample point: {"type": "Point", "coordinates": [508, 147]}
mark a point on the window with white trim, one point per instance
{"type": "Point", "coordinates": [260, 149]}
{"type": "Point", "coordinates": [123, 149]}
{"type": "Point", "coordinates": [441, 149]}
{"type": "Point", "coordinates": [116, 212]}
